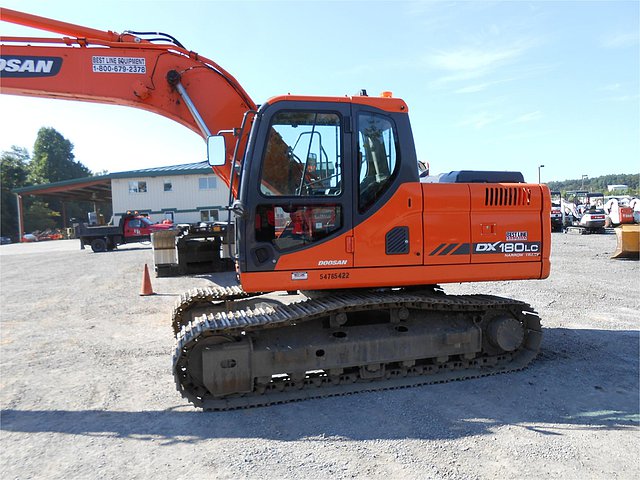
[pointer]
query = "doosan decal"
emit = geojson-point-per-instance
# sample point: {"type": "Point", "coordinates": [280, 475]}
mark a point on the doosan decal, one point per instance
{"type": "Point", "coordinates": [323, 263]}
{"type": "Point", "coordinates": [28, 66]}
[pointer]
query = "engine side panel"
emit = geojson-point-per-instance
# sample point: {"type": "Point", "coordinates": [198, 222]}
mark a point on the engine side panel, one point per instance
{"type": "Point", "coordinates": [447, 232]}
{"type": "Point", "coordinates": [507, 223]}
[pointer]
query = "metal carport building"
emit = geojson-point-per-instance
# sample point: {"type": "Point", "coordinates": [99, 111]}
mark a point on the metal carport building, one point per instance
{"type": "Point", "coordinates": [185, 193]}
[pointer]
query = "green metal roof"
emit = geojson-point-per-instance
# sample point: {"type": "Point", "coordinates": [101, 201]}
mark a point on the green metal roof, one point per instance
{"type": "Point", "coordinates": [90, 188]}
{"type": "Point", "coordinates": [184, 169]}
{"type": "Point", "coordinates": [75, 189]}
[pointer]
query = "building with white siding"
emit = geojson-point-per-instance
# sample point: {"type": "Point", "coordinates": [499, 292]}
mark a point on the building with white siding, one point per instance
{"type": "Point", "coordinates": [186, 193]}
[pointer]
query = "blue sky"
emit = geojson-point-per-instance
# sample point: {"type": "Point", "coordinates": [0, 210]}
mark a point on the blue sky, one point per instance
{"type": "Point", "coordinates": [490, 85]}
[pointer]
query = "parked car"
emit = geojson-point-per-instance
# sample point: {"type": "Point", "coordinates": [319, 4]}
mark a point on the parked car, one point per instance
{"type": "Point", "coordinates": [5, 240]}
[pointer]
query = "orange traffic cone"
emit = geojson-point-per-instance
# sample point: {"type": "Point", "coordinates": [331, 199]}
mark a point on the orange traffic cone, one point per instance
{"type": "Point", "coordinates": [147, 289]}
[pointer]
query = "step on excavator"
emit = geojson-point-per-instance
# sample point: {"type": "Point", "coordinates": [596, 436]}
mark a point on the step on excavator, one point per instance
{"type": "Point", "coordinates": [327, 200]}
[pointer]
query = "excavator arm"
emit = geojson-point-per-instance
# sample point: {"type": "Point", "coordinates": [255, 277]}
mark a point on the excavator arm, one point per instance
{"type": "Point", "coordinates": [149, 71]}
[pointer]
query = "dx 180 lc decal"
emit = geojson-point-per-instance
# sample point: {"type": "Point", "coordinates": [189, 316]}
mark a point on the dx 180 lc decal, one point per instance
{"type": "Point", "coordinates": [510, 249]}
{"type": "Point", "coordinates": [28, 66]}
{"type": "Point", "coordinates": [515, 249]}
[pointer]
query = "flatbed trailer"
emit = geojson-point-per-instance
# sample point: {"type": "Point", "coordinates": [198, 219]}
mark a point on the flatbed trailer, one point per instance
{"type": "Point", "coordinates": [193, 249]}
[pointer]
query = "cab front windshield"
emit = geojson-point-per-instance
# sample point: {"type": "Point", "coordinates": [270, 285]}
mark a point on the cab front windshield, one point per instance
{"type": "Point", "coordinates": [300, 178]}
{"type": "Point", "coordinates": [303, 155]}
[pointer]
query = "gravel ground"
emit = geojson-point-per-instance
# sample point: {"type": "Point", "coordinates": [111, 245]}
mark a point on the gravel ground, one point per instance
{"type": "Point", "coordinates": [87, 392]}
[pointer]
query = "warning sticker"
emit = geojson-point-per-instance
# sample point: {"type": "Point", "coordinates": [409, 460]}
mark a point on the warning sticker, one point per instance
{"type": "Point", "coordinates": [119, 64]}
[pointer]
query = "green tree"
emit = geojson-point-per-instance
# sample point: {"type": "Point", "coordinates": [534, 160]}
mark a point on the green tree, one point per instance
{"type": "Point", "coordinates": [600, 184]}
{"type": "Point", "coordinates": [53, 159]}
{"type": "Point", "coordinates": [14, 170]}
{"type": "Point", "coordinates": [40, 217]}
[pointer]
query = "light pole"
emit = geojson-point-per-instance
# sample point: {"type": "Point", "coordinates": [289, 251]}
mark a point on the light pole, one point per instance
{"type": "Point", "coordinates": [583, 177]}
{"type": "Point", "coordinates": [539, 167]}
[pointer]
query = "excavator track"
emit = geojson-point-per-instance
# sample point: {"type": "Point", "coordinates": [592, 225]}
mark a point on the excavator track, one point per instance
{"type": "Point", "coordinates": [349, 342]}
{"type": "Point", "coordinates": [200, 300]}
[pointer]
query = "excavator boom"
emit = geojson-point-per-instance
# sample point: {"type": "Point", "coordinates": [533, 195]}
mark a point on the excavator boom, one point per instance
{"type": "Point", "coordinates": [123, 69]}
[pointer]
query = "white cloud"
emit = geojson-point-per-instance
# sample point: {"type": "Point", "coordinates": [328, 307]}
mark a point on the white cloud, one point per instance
{"type": "Point", "coordinates": [479, 87]}
{"type": "Point", "coordinates": [611, 87]}
{"type": "Point", "coordinates": [476, 63]}
{"type": "Point", "coordinates": [528, 134]}
{"type": "Point", "coordinates": [479, 120]}
{"type": "Point", "coordinates": [620, 92]}
{"type": "Point", "coordinates": [621, 40]}
{"type": "Point", "coordinates": [624, 98]}
{"type": "Point", "coordinates": [472, 59]}
{"type": "Point", "coordinates": [528, 117]}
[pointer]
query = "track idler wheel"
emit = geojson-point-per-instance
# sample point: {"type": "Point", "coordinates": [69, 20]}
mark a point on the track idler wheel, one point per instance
{"type": "Point", "coordinates": [506, 333]}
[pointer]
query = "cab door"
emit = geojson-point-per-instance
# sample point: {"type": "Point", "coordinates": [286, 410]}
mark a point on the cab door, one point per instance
{"type": "Point", "coordinates": [133, 228]}
{"type": "Point", "coordinates": [298, 189]}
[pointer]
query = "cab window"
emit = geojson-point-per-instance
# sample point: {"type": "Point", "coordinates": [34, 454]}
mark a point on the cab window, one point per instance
{"type": "Point", "coordinates": [295, 226]}
{"type": "Point", "coordinates": [377, 157]}
{"type": "Point", "coordinates": [303, 156]}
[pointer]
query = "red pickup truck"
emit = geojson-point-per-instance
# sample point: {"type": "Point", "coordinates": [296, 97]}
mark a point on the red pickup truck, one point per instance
{"type": "Point", "coordinates": [131, 228]}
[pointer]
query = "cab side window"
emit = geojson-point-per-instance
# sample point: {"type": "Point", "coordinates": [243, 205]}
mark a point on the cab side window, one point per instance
{"type": "Point", "coordinates": [377, 157]}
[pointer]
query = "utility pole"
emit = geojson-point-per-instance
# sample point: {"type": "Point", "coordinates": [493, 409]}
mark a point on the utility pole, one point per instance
{"type": "Point", "coordinates": [539, 167]}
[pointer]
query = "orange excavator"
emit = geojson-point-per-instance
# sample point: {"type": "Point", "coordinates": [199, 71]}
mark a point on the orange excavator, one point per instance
{"type": "Point", "coordinates": [327, 201]}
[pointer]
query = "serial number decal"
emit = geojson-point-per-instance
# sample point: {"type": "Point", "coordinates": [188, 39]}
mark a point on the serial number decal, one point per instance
{"type": "Point", "coordinates": [334, 276]}
{"type": "Point", "coordinates": [299, 276]}
{"type": "Point", "coordinates": [528, 249]}
{"type": "Point", "coordinates": [119, 64]}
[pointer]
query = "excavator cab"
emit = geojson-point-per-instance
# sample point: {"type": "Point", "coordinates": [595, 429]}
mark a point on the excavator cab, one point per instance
{"type": "Point", "coordinates": [314, 169]}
